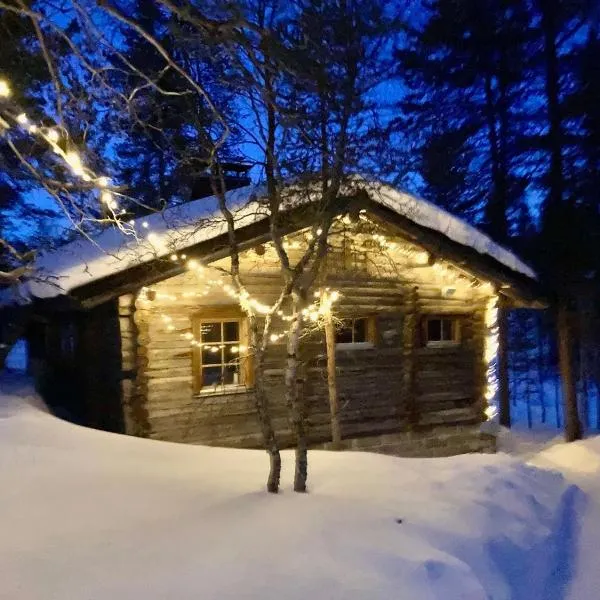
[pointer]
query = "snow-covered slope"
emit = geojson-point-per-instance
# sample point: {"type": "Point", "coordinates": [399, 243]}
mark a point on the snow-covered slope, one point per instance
{"type": "Point", "coordinates": [180, 227]}
{"type": "Point", "coordinates": [88, 514]}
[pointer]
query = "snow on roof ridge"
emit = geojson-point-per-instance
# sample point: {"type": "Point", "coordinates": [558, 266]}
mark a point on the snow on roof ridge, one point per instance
{"type": "Point", "coordinates": [428, 214]}
{"type": "Point", "coordinates": [81, 262]}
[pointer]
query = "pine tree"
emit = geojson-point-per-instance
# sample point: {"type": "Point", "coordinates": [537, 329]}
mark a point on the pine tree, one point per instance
{"type": "Point", "coordinates": [464, 72]}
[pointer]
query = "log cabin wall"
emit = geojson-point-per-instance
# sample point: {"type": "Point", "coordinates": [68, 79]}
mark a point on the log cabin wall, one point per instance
{"type": "Point", "coordinates": [77, 365]}
{"type": "Point", "coordinates": [396, 383]}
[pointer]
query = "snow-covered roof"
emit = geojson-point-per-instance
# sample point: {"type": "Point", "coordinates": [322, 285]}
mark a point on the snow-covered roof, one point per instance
{"type": "Point", "coordinates": [84, 261]}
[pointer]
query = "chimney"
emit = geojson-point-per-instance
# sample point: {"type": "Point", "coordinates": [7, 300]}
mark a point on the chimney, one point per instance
{"type": "Point", "coordinates": [235, 176]}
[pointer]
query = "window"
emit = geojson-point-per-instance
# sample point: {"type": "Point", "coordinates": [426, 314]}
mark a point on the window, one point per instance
{"type": "Point", "coordinates": [441, 331]}
{"type": "Point", "coordinates": [356, 331]}
{"type": "Point", "coordinates": [217, 363]}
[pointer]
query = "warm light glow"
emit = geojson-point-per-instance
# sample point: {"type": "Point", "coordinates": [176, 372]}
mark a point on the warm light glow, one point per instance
{"type": "Point", "coordinates": [52, 135]}
{"type": "Point", "coordinates": [4, 89]}
{"type": "Point", "coordinates": [22, 119]}
{"type": "Point", "coordinates": [491, 355]}
{"type": "Point", "coordinates": [73, 160]}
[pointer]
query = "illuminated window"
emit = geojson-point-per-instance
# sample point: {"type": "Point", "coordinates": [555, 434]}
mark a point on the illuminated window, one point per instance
{"type": "Point", "coordinates": [218, 358]}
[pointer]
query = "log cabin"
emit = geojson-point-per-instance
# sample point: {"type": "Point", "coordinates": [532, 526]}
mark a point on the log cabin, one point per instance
{"type": "Point", "coordinates": [147, 337]}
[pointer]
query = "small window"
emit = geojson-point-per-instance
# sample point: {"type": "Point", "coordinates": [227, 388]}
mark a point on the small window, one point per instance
{"type": "Point", "coordinates": [217, 357]}
{"type": "Point", "coordinates": [353, 331]}
{"type": "Point", "coordinates": [441, 331]}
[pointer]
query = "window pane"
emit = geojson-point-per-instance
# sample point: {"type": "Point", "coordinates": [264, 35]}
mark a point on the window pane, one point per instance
{"type": "Point", "coordinates": [434, 330]}
{"type": "Point", "coordinates": [211, 376]}
{"type": "Point", "coordinates": [231, 330]}
{"type": "Point", "coordinates": [210, 332]}
{"type": "Point", "coordinates": [211, 355]}
{"type": "Point", "coordinates": [360, 330]}
{"type": "Point", "coordinates": [447, 330]}
{"type": "Point", "coordinates": [343, 334]}
{"type": "Point", "coordinates": [230, 375]}
{"type": "Point", "coordinates": [230, 354]}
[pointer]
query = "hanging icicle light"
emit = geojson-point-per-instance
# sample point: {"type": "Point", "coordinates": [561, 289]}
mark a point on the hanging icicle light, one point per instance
{"type": "Point", "coordinates": [491, 356]}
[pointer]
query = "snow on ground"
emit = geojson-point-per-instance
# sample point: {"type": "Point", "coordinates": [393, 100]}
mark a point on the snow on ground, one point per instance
{"type": "Point", "coordinates": [580, 464]}
{"type": "Point", "coordinates": [88, 514]}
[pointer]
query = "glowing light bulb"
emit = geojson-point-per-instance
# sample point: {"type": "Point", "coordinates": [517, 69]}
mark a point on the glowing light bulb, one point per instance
{"type": "Point", "coordinates": [52, 135]}
{"type": "Point", "coordinates": [145, 224]}
{"type": "Point", "coordinates": [74, 162]}
{"type": "Point", "coordinates": [22, 119]}
{"type": "Point", "coordinates": [4, 89]}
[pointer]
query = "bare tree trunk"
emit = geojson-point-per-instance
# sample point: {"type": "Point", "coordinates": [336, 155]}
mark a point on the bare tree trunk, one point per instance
{"type": "Point", "coordinates": [572, 422]}
{"type": "Point", "coordinates": [528, 403]}
{"type": "Point", "coordinates": [557, 402]}
{"type": "Point", "coordinates": [262, 409]}
{"type": "Point", "coordinates": [336, 434]}
{"type": "Point", "coordinates": [541, 349]}
{"type": "Point", "coordinates": [293, 401]}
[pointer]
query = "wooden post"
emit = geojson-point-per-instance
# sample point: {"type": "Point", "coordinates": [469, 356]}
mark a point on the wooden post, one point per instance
{"type": "Point", "coordinates": [336, 433]}
{"type": "Point", "coordinates": [572, 422]}
{"type": "Point", "coordinates": [409, 343]}
{"type": "Point", "coordinates": [503, 383]}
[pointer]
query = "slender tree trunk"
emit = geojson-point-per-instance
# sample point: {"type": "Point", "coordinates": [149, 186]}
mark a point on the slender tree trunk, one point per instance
{"type": "Point", "coordinates": [557, 401]}
{"type": "Point", "coordinates": [583, 384]}
{"type": "Point", "coordinates": [552, 84]}
{"type": "Point", "coordinates": [262, 409]}
{"type": "Point", "coordinates": [336, 434]}
{"type": "Point", "coordinates": [528, 402]}
{"type": "Point", "coordinates": [541, 350]}
{"type": "Point", "coordinates": [565, 353]}
{"type": "Point", "coordinates": [293, 401]}
{"type": "Point", "coordinates": [496, 206]}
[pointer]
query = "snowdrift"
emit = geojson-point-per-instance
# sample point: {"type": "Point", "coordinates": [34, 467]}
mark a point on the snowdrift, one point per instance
{"type": "Point", "coordinates": [88, 514]}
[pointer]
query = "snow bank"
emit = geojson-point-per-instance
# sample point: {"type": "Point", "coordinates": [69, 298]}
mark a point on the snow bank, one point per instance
{"type": "Point", "coordinates": [88, 514]}
{"type": "Point", "coordinates": [177, 228]}
{"type": "Point", "coordinates": [582, 458]}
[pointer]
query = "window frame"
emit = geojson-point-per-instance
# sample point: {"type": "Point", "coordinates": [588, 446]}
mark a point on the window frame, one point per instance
{"type": "Point", "coordinates": [370, 334]}
{"type": "Point", "coordinates": [441, 343]}
{"type": "Point", "coordinates": [218, 314]}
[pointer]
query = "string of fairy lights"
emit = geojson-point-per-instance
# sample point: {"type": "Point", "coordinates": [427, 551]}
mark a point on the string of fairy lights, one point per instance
{"type": "Point", "coordinates": [312, 314]}
{"type": "Point", "coordinates": [491, 356]}
{"type": "Point", "coordinates": [56, 138]}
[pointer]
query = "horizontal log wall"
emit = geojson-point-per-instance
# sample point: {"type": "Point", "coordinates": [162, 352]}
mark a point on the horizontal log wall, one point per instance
{"type": "Point", "coordinates": [445, 384]}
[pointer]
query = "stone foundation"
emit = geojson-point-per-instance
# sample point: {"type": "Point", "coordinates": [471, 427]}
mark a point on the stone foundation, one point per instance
{"type": "Point", "coordinates": [434, 442]}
